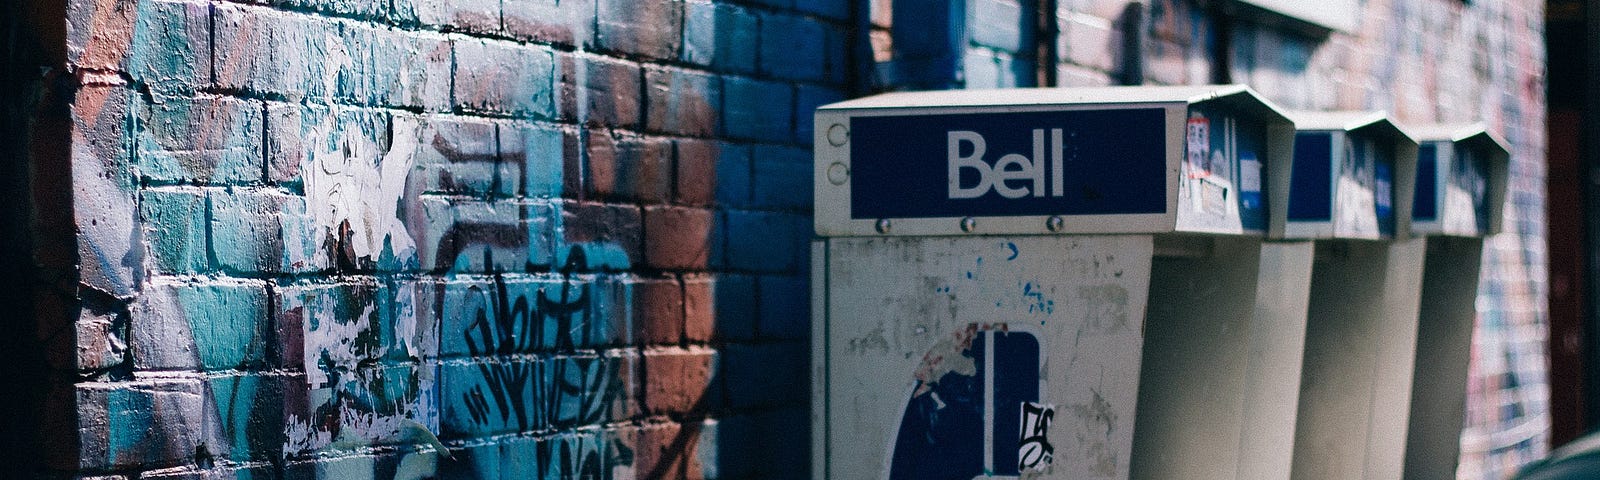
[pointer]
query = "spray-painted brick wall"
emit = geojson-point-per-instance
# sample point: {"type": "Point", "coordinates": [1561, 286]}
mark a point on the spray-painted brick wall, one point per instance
{"type": "Point", "coordinates": [303, 238]}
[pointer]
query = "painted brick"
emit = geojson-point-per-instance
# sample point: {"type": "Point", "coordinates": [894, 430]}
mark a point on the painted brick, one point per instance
{"type": "Point", "coordinates": [1089, 41]}
{"type": "Point", "coordinates": [344, 8]}
{"type": "Point", "coordinates": [104, 208]}
{"type": "Point", "coordinates": [247, 231]}
{"type": "Point", "coordinates": [298, 135]}
{"type": "Point", "coordinates": [733, 175]}
{"type": "Point", "coordinates": [767, 375]}
{"type": "Point", "coordinates": [246, 418]}
{"type": "Point", "coordinates": [117, 420]}
{"type": "Point", "coordinates": [626, 167]}
{"type": "Point", "coordinates": [476, 16]}
{"type": "Point", "coordinates": [588, 389]}
{"type": "Point", "coordinates": [789, 47]}
{"type": "Point", "coordinates": [611, 235]}
{"type": "Point", "coordinates": [658, 311]}
{"type": "Point", "coordinates": [171, 45]}
{"type": "Point", "coordinates": [208, 326]}
{"type": "Point", "coordinates": [782, 178]}
{"type": "Point", "coordinates": [695, 181]}
{"type": "Point", "coordinates": [785, 308]}
{"type": "Point", "coordinates": [722, 36]}
{"type": "Point", "coordinates": [678, 238]}
{"type": "Point", "coordinates": [682, 101]}
{"type": "Point", "coordinates": [1004, 25]}
{"type": "Point", "coordinates": [100, 340]}
{"type": "Point", "coordinates": [807, 99]}
{"type": "Point", "coordinates": [454, 156]}
{"type": "Point", "coordinates": [784, 241]}
{"type": "Point", "coordinates": [681, 381]}
{"type": "Point", "coordinates": [833, 9]}
{"type": "Point", "coordinates": [482, 70]}
{"type": "Point", "coordinates": [533, 154]}
{"type": "Point", "coordinates": [567, 22]}
{"type": "Point", "coordinates": [385, 67]}
{"type": "Point", "coordinates": [485, 397]}
{"type": "Point", "coordinates": [734, 304]}
{"type": "Point", "coordinates": [600, 91]}
{"type": "Point", "coordinates": [499, 236]}
{"type": "Point", "coordinates": [175, 225]}
{"type": "Point", "coordinates": [655, 448]}
{"type": "Point", "coordinates": [206, 139]}
{"type": "Point", "coordinates": [276, 54]}
{"type": "Point", "coordinates": [757, 109]}
{"type": "Point", "coordinates": [650, 29]}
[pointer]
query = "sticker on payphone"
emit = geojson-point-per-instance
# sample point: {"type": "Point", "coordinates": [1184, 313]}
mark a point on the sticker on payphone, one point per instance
{"type": "Point", "coordinates": [975, 411]}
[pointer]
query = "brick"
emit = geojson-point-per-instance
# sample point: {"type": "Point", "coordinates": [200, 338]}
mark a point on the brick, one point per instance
{"type": "Point", "coordinates": [573, 155]}
{"type": "Point", "coordinates": [498, 236]}
{"type": "Point", "coordinates": [696, 173]}
{"type": "Point", "coordinates": [1088, 41]}
{"type": "Point", "coordinates": [117, 420]}
{"type": "Point", "coordinates": [734, 306]}
{"type": "Point", "coordinates": [807, 99]}
{"type": "Point", "coordinates": [205, 139]}
{"type": "Point", "coordinates": [1004, 27]}
{"type": "Point", "coordinates": [682, 101]}
{"type": "Point", "coordinates": [626, 167]}
{"type": "Point", "coordinates": [454, 156]}
{"type": "Point", "coordinates": [490, 396]}
{"type": "Point", "coordinates": [678, 238]}
{"type": "Point", "coordinates": [533, 155]}
{"type": "Point", "coordinates": [733, 175]}
{"type": "Point", "coordinates": [298, 135]}
{"type": "Point", "coordinates": [216, 325]}
{"type": "Point", "coordinates": [589, 389]}
{"type": "Point", "coordinates": [722, 36]}
{"type": "Point", "coordinates": [249, 419]}
{"type": "Point", "coordinates": [766, 376]}
{"type": "Point", "coordinates": [608, 90]}
{"type": "Point", "coordinates": [344, 8]}
{"type": "Point", "coordinates": [782, 241]}
{"type": "Point", "coordinates": [789, 48]}
{"type": "Point", "coordinates": [567, 22]}
{"type": "Point", "coordinates": [658, 450]}
{"type": "Point", "coordinates": [699, 308]}
{"type": "Point", "coordinates": [247, 231]}
{"type": "Point", "coordinates": [175, 224]}
{"type": "Point", "coordinates": [757, 109]}
{"type": "Point", "coordinates": [832, 9]}
{"type": "Point", "coordinates": [609, 234]}
{"type": "Point", "coordinates": [785, 308]}
{"type": "Point", "coordinates": [172, 45]}
{"type": "Point", "coordinates": [276, 54]}
{"type": "Point", "coordinates": [100, 340]}
{"type": "Point", "coordinates": [477, 16]}
{"type": "Point", "coordinates": [782, 178]}
{"type": "Point", "coordinates": [649, 29]}
{"type": "Point", "coordinates": [505, 79]}
{"type": "Point", "coordinates": [658, 311]}
{"type": "Point", "coordinates": [104, 208]}
{"type": "Point", "coordinates": [681, 381]}
{"type": "Point", "coordinates": [392, 69]}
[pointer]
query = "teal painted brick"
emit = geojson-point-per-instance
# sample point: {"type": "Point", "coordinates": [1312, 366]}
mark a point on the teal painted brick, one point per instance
{"type": "Point", "coordinates": [454, 155]}
{"type": "Point", "coordinates": [536, 151]}
{"type": "Point", "coordinates": [276, 54]}
{"type": "Point", "coordinates": [587, 390]}
{"type": "Point", "coordinates": [247, 231]}
{"type": "Point", "coordinates": [387, 67]}
{"type": "Point", "coordinates": [782, 178]}
{"type": "Point", "coordinates": [116, 422]}
{"type": "Point", "coordinates": [790, 47]}
{"type": "Point", "coordinates": [650, 28]}
{"type": "Point", "coordinates": [105, 210]}
{"type": "Point", "coordinates": [364, 9]}
{"type": "Point", "coordinates": [600, 91]}
{"type": "Point", "coordinates": [500, 236]}
{"type": "Point", "coordinates": [723, 36]}
{"type": "Point", "coordinates": [735, 306]}
{"type": "Point", "coordinates": [733, 175]}
{"type": "Point", "coordinates": [476, 462]}
{"type": "Point", "coordinates": [832, 9]}
{"type": "Point", "coordinates": [757, 109]}
{"type": "Point", "coordinates": [176, 222]}
{"type": "Point", "coordinates": [210, 326]}
{"type": "Point", "coordinates": [171, 48]}
{"type": "Point", "coordinates": [206, 139]}
{"type": "Point", "coordinates": [484, 397]}
{"type": "Point", "coordinates": [567, 22]}
{"type": "Point", "coordinates": [297, 135]}
{"type": "Point", "coordinates": [504, 78]}
{"type": "Point", "coordinates": [248, 422]}
{"type": "Point", "coordinates": [785, 308]}
{"type": "Point", "coordinates": [477, 16]}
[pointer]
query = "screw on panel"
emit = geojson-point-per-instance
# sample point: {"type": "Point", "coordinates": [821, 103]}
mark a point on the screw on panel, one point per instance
{"type": "Point", "coordinates": [838, 135]}
{"type": "Point", "coordinates": [883, 225]}
{"type": "Point", "coordinates": [838, 173]}
{"type": "Point", "coordinates": [1055, 223]}
{"type": "Point", "coordinates": [969, 224]}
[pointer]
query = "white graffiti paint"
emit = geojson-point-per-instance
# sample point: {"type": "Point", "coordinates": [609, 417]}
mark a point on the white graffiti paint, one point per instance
{"type": "Point", "coordinates": [345, 189]}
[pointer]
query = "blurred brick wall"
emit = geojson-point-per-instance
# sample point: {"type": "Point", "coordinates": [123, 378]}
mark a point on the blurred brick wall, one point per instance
{"type": "Point", "coordinates": [300, 238]}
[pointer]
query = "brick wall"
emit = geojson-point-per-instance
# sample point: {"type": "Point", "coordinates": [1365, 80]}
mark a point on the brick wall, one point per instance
{"type": "Point", "coordinates": [303, 238]}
